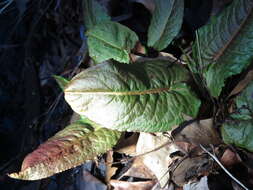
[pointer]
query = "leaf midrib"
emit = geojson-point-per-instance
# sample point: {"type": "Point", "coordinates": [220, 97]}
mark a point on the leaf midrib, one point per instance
{"type": "Point", "coordinates": [234, 36]}
{"type": "Point", "coordinates": [104, 41]}
{"type": "Point", "coordinates": [144, 92]}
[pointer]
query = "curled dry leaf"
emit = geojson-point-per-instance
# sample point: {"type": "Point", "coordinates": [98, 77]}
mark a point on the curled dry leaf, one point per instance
{"type": "Point", "coordinates": [191, 169]}
{"type": "Point", "coordinates": [198, 132]}
{"type": "Point", "coordinates": [230, 158]}
{"type": "Point", "coordinates": [68, 148]}
{"type": "Point", "coordinates": [139, 170]}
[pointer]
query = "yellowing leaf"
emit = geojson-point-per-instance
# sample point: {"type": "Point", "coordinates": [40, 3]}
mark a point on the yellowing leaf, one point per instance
{"type": "Point", "coordinates": [67, 149]}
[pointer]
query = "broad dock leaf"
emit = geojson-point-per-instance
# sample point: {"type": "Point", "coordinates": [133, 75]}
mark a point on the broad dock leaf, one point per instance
{"type": "Point", "coordinates": [165, 23]}
{"type": "Point", "coordinates": [226, 45]}
{"type": "Point", "coordinates": [147, 96]}
{"type": "Point", "coordinates": [111, 40]}
{"type": "Point", "coordinates": [67, 149]}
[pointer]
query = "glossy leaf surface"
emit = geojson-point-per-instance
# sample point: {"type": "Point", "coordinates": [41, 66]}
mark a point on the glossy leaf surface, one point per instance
{"type": "Point", "coordinates": [165, 23]}
{"type": "Point", "coordinates": [225, 45]}
{"type": "Point", "coordinates": [67, 149]}
{"type": "Point", "coordinates": [147, 96]}
{"type": "Point", "coordinates": [111, 40]}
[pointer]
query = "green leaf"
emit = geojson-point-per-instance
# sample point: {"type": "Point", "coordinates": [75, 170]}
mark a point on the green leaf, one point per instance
{"type": "Point", "coordinates": [147, 96]}
{"type": "Point", "coordinates": [239, 133]}
{"type": "Point", "coordinates": [111, 40]}
{"type": "Point", "coordinates": [225, 45]}
{"type": "Point", "coordinates": [62, 82]}
{"type": "Point", "coordinates": [166, 23]}
{"type": "Point", "coordinates": [67, 149]}
{"type": "Point", "coordinates": [239, 130]}
{"type": "Point", "coordinates": [94, 13]}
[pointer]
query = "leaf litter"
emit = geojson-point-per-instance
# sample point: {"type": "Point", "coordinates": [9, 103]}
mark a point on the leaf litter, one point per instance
{"type": "Point", "coordinates": [163, 159]}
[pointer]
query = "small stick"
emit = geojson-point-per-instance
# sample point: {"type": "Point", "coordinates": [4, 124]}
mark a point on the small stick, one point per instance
{"type": "Point", "coordinates": [220, 164]}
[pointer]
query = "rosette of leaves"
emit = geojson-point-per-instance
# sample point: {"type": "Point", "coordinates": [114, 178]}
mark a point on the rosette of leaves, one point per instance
{"type": "Point", "coordinates": [224, 47]}
{"type": "Point", "coordinates": [238, 129]}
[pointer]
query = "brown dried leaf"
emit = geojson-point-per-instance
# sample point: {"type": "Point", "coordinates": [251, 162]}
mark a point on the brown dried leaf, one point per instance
{"type": "Point", "coordinates": [124, 185]}
{"type": "Point", "coordinates": [199, 132]}
{"type": "Point", "coordinates": [67, 149]}
{"type": "Point", "coordinates": [139, 170]}
{"type": "Point", "coordinates": [242, 84]}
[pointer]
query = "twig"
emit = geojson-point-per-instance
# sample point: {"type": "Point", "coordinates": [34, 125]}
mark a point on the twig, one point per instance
{"type": "Point", "coordinates": [220, 164]}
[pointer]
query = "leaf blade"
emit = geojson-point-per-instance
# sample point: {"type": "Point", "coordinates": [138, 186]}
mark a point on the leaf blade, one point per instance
{"type": "Point", "coordinates": [67, 149]}
{"type": "Point", "coordinates": [94, 13]}
{"type": "Point", "coordinates": [110, 40]}
{"type": "Point", "coordinates": [239, 129]}
{"type": "Point", "coordinates": [226, 45]}
{"type": "Point", "coordinates": [146, 96]}
{"type": "Point", "coordinates": [165, 23]}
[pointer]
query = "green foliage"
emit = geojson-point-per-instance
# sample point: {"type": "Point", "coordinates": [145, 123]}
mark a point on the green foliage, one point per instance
{"type": "Point", "coordinates": [147, 96]}
{"type": "Point", "coordinates": [166, 23]}
{"type": "Point", "coordinates": [68, 148]}
{"type": "Point", "coordinates": [62, 82]}
{"type": "Point", "coordinates": [94, 13]}
{"type": "Point", "coordinates": [239, 129]}
{"type": "Point", "coordinates": [225, 45]}
{"type": "Point", "coordinates": [111, 40]}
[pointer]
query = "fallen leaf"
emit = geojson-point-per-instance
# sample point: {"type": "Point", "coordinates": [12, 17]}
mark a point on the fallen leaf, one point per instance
{"type": "Point", "coordinates": [190, 169]}
{"type": "Point", "coordinates": [230, 158]}
{"type": "Point", "coordinates": [127, 145]}
{"type": "Point", "coordinates": [139, 170]}
{"type": "Point", "coordinates": [200, 185]}
{"type": "Point", "coordinates": [124, 185]}
{"type": "Point", "coordinates": [157, 161]}
{"type": "Point", "coordinates": [198, 132]}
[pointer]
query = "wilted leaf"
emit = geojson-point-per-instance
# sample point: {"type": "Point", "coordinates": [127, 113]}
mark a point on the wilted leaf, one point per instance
{"type": "Point", "coordinates": [239, 130]}
{"type": "Point", "coordinates": [150, 96]}
{"type": "Point", "coordinates": [94, 13]}
{"type": "Point", "coordinates": [111, 40]}
{"type": "Point", "coordinates": [67, 149]}
{"type": "Point", "coordinates": [165, 23]}
{"type": "Point", "coordinates": [226, 45]}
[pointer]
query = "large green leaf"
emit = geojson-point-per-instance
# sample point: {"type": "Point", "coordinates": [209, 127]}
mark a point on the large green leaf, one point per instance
{"type": "Point", "coordinates": [239, 129]}
{"type": "Point", "coordinates": [94, 13]}
{"type": "Point", "coordinates": [225, 45]}
{"type": "Point", "coordinates": [165, 23]}
{"type": "Point", "coordinates": [147, 96]}
{"type": "Point", "coordinates": [67, 149]}
{"type": "Point", "coordinates": [111, 40]}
